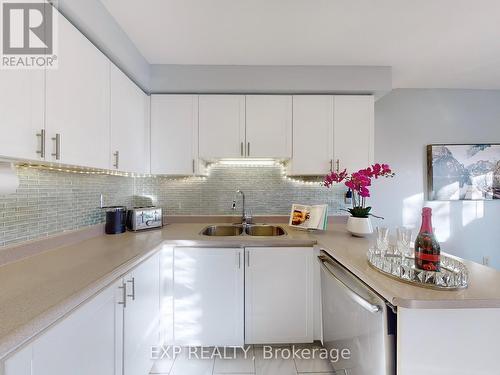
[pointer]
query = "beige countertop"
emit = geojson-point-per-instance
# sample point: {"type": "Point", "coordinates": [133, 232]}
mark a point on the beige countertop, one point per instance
{"type": "Point", "coordinates": [483, 290]}
{"type": "Point", "coordinates": [38, 290]}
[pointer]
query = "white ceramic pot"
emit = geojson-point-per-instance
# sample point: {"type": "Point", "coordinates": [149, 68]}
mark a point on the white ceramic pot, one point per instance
{"type": "Point", "coordinates": [359, 226]}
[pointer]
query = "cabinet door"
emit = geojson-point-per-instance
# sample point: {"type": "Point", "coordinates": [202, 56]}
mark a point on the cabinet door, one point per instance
{"type": "Point", "coordinates": [142, 316]}
{"type": "Point", "coordinates": [78, 101]}
{"type": "Point", "coordinates": [278, 295]}
{"type": "Point", "coordinates": [353, 132]}
{"type": "Point", "coordinates": [128, 124]}
{"type": "Point", "coordinates": [21, 108]}
{"type": "Point", "coordinates": [222, 126]}
{"type": "Point", "coordinates": [312, 135]}
{"type": "Point", "coordinates": [269, 126]}
{"type": "Point", "coordinates": [167, 295]}
{"type": "Point", "coordinates": [84, 343]}
{"type": "Point", "coordinates": [19, 363]}
{"type": "Point", "coordinates": [174, 134]}
{"type": "Point", "coordinates": [208, 297]}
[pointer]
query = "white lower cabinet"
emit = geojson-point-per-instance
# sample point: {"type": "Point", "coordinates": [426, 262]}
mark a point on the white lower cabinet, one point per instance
{"type": "Point", "coordinates": [111, 334]}
{"type": "Point", "coordinates": [86, 342]}
{"type": "Point", "coordinates": [141, 316]}
{"type": "Point", "coordinates": [231, 296]}
{"type": "Point", "coordinates": [279, 295]}
{"type": "Point", "coordinates": [19, 363]}
{"type": "Point", "coordinates": [208, 296]}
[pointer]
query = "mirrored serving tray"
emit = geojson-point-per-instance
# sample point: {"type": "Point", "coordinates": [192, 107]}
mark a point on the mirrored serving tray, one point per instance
{"type": "Point", "coordinates": [453, 274]}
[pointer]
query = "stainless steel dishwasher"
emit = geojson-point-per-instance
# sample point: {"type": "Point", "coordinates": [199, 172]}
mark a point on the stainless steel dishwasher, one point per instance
{"type": "Point", "coordinates": [358, 319]}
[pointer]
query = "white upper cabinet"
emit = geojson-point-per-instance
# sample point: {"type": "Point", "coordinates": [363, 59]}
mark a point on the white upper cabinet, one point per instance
{"type": "Point", "coordinates": [354, 126]}
{"type": "Point", "coordinates": [269, 126]}
{"type": "Point", "coordinates": [222, 126]}
{"type": "Point", "coordinates": [279, 295]}
{"type": "Point", "coordinates": [128, 124]}
{"type": "Point", "coordinates": [331, 133]}
{"type": "Point", "coordinates": [78, 102]}
{"type": "Point", "coordinates": [208, 297]}
{"type": "Point", "coordinates": [22, 111]}
{"type": "Point", "coordinates": [312, 135]}
{"type": "Point", "coordinates": [174, 134]}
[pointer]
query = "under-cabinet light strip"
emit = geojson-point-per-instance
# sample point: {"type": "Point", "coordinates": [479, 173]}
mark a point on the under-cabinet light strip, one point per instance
{"type": "Point", "coordinates": [228, 163]}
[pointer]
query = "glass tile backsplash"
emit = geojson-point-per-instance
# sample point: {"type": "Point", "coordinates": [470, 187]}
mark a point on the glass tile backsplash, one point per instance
{"type": "Point", "coordinates": [267, 192]}
{"type": "Point", "coordinates": [48, 202]}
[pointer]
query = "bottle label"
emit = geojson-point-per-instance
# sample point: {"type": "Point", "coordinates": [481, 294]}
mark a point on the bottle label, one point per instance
{"type": "Point", "coordinates": [429, 257]}
{"type": "Point", "coordinates": [427, 252]}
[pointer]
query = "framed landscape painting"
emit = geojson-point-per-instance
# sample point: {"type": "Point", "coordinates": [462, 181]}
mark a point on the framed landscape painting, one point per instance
{"type": "Point", "coordinates": [463, 172]}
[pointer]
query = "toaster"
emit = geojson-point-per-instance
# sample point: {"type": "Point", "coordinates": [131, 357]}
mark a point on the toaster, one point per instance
{"type": "Point", "coordinates": [140, 218]}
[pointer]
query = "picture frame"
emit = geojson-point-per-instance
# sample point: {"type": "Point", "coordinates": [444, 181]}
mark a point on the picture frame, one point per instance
{"type": "Point", "coordinates": [463, 171]}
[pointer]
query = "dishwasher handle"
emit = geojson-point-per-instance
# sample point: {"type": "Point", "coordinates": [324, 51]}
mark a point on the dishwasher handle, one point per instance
{"type": "Point", "coordinates": [352, 294]}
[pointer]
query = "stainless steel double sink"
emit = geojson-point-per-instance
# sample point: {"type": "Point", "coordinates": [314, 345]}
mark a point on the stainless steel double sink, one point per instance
{"type": "Point", "coordinates": [261, 230]}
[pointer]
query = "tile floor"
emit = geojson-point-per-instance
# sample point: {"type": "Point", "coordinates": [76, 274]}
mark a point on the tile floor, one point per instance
{"type": "Point", "coordinates": [254, 363]}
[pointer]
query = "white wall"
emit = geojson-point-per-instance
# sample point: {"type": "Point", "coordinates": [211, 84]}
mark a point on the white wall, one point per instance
{"type": "Point", "coordinates": [406, 120]}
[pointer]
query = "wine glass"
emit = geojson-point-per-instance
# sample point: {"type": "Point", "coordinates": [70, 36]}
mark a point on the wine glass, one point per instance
{"type": "Point", "coordinates": [382, 239]}
{"type": "Point", "coordinates": [403, 244]}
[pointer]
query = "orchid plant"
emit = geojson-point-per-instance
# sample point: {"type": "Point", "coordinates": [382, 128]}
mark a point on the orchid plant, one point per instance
{"type": "Point", "coordinates": [359, 183]}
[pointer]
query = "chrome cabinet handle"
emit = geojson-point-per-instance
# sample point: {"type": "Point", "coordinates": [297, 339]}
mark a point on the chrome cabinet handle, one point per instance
{"type": "Point", "coordinates": [247, 253]}
{"type": "Point", "coordinates": [241, 148]}
{"type": "Point", "coordinates": [193, 166]}
{"type": "Point", "coordinates": [351, 293]}
{"type": "Point", "coordinates": [238, 256]}
{"type": "Point", "coordinates": [248, 149]}
{"type": "Point", "coordinates": [123, 287]}
{"type": "Point", "coordinates": [116, 154]}
{"type": "Point", "coordinates": [57, 140]}
{"type": "Point", "coordinates": [132, 281]}
{"type": "Point", "coordinates": [338, 165]}
{"type": "Point", "coordinates": [41, 135]}
{"type": "Point", "coordinates": [331, 165]}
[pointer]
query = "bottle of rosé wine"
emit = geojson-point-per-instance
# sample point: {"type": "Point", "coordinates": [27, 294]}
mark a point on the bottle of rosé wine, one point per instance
{"type": "Point", "coordinates": [427, 249]}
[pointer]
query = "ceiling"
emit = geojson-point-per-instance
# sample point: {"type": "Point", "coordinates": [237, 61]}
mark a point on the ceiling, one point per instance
{"type": "Point", "coordinates": [428, 43]}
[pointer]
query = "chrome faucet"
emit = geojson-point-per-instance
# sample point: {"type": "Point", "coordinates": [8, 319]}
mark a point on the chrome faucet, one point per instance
{"type": "Point", "coordinates": [245, 217]}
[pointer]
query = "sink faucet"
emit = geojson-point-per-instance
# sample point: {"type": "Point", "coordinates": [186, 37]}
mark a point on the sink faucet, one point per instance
{"type": "Point", "coordinates": [245, 217]}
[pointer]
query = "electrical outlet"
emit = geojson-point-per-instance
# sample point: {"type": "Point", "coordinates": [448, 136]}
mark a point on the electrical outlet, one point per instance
{"type": "Point", "coordinates": [486, 260]}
